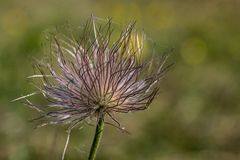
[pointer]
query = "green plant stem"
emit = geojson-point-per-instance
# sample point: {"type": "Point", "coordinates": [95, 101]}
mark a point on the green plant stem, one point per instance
{"type": "Point", "coordinates": [97, 139]}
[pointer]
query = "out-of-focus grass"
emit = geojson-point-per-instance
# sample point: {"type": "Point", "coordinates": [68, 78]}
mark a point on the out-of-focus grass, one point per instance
{"type": "Point", "coordinates": [198, 112]}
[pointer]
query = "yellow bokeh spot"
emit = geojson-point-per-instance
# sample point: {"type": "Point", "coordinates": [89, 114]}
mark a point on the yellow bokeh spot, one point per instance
{"type": "Point", "coordinates": [194, 51]}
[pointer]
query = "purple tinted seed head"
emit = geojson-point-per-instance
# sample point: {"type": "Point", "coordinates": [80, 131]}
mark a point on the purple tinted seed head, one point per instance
{"type": "Point", "coordinates": [95, 75]}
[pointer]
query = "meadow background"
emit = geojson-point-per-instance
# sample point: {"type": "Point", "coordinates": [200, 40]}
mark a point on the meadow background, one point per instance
{"type": "Point", "coordinates": [196, 116]}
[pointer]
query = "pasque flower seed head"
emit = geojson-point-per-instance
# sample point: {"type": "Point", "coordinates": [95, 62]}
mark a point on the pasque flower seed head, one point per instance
{"type": "Point", "coordinates": [97, 75]}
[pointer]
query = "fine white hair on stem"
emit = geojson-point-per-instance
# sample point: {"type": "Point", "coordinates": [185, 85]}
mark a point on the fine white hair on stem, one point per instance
{"type": "Point", "coordinates": [66, 144]}
{"type": "Point", "coordinates": [39, 76]}
{"type": "Point", "coordinates": [25, 96]}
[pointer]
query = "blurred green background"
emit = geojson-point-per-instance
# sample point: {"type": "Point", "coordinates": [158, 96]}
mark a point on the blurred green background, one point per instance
{"type": "Point", "coordinates": [197, 114]}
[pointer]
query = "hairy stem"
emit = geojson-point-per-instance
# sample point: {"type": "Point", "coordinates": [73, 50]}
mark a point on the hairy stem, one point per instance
{"type": "Point", "coordinates": [97, 138]}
